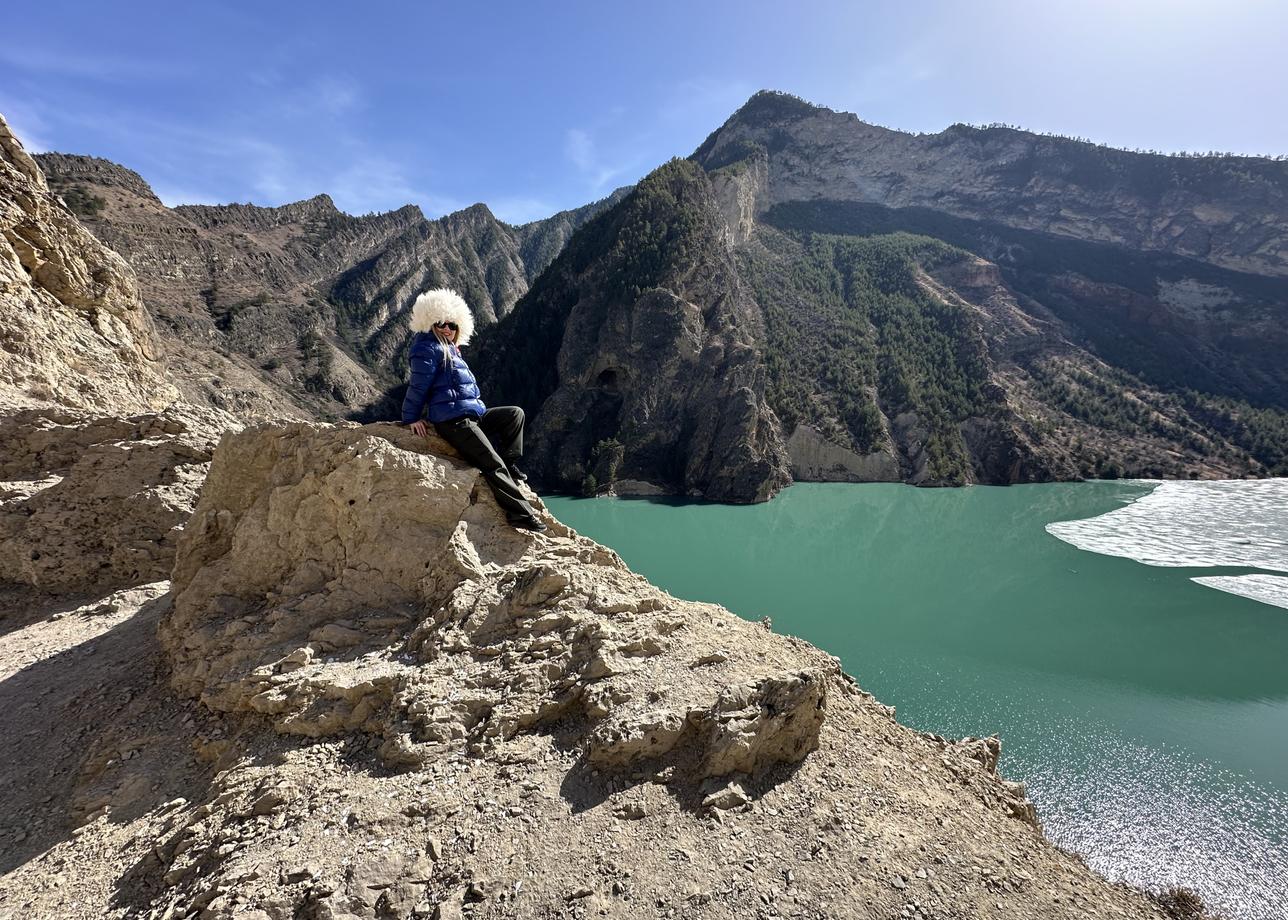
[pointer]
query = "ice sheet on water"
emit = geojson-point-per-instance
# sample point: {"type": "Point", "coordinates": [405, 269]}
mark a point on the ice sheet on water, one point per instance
{"type": "Point", "coordinates": [1269, 589]}
{"type": "Point", "coordinates": [1225, 522]}
{"type": "Point", "coordinates": [1231, 522]}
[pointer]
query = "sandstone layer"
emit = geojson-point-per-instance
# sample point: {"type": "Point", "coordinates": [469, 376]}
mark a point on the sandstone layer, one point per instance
{"type": "Point", "coordinates": [73, 329]}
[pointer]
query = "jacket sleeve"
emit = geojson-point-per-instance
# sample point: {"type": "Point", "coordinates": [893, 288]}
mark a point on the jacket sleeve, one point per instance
{"type": "Point", "coordinates": [423, 370]}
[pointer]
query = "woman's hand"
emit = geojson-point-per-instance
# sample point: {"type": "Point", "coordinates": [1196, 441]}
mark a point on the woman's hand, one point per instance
{"type": "Point", "coordinates": [420, 428]}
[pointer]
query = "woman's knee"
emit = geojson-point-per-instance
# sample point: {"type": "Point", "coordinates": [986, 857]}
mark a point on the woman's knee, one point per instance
{"type": "Point", "coordinates": [510, 418]}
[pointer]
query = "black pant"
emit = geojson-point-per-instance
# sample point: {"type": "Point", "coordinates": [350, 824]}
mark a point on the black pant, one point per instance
{"type": "Point", "coordinates": [492, 443]}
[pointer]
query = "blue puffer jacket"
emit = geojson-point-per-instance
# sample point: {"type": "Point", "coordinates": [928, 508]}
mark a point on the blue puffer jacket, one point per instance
{"type": "Point", "coordinates": [451, 391]}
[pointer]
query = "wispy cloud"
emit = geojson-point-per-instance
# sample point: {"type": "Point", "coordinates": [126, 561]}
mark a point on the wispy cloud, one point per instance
{"type": "Point", "coordinates": [27, 123]}
{"type": "Point", "coordinates": [49, 61]}
{"type": "Point", "coordinates": [337, 96]}
{"type": "Point", "coordinates": [583, 152]}
{"type": "Point", "coordinates": [520, 209]}
{"type": "Point", "coordinates": [706, 100]}
{"type": "Point", "coordinates": [580, 149]}
{"type": "Point", "coordinates": [333, 96]}
{"type": "Point", "coordinates": [916, 63]}
{"type": "Point", "coordinates": [172, 195]}
{"type": "Point", "coordinates": [373, 182]}
{"type": "Point", "coordinates": [183, 161]}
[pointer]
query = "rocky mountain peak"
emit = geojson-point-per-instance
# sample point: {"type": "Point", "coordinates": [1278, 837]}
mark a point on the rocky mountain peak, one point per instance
{"type": "Point", "coordinates": [774, 106]}
{"type": "Point", "coordinates": [69, 169]}
{"type": "Point", "coordinates": [474, 217]}
{"type": "Point", "coordinates": [258, 216]}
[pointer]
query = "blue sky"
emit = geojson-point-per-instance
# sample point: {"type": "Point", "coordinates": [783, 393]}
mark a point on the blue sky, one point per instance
{"type": "Point", "coordinates": [536, 107]}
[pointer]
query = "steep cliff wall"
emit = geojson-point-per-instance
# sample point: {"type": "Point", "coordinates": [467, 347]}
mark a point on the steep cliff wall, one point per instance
{"type": "Point", "coordinates": [73, 330]}
{"type": "Point", "coordinates": [642, 339]}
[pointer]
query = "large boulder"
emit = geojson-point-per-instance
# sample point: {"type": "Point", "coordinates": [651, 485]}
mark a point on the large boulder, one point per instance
{"type": "Point", "coordinates": [361, 579]}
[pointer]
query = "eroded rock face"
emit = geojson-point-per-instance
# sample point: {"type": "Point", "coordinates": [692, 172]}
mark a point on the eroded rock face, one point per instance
{"type": "Point", "coordinates": [262, 307]}
{"type": "Point", "coordinates": [359, 580]}
{"type": "Point", "coordinates": [641, 338]}
{"type": "Point", "coordinates": [97, 502]}
{"type": "Point", "coordinates": [1227, 210]}
{"type": "Point", "coordinates": [815, 459]}
{"type": "Point", "coordinates": [73, 330]}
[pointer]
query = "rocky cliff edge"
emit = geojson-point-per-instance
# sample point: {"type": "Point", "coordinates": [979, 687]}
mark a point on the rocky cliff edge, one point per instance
{"type": "Point", "coordinates": [404, 708]}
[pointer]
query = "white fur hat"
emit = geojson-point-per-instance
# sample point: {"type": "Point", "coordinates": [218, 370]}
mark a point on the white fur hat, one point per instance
{"type": "Point", "coordinates": [442, 305]}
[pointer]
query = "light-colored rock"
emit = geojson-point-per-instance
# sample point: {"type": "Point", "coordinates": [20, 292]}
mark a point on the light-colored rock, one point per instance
{"type": "Point", "coordinates": [724, 797]}
{"type": "Point", "coordinates": [503, 632]}
{"type": "Point", "coordinates": [73, 330]}
{"type": "Point", "coordinates": [116, 493]}
{"type": "Point", "coordinates": [816, 459]}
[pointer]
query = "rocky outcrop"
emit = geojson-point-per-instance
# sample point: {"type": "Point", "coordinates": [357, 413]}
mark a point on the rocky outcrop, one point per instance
{"type": "Point", "coordinates": [350, 579]}
{"type": "Point", "coordinates": [392, 704]}
{"type": "Point", "coordinates": [409, 709]}
{"type": "Point", "coordinates": [73, 330]}
{"type": "Point", "coordinates": [97, 502]}
{"type": "Point", "coordinates": [741, 189]}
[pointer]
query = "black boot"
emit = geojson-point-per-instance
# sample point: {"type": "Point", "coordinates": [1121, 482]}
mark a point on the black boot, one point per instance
{"type": "Point", "coordinates": [515, 473]}
{"type": "Point", "coordinates": [532, 523]}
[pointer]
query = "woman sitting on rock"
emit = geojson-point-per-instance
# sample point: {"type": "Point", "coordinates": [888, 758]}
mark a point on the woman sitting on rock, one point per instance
{"type": "Point", "coordinates": [491, 439]}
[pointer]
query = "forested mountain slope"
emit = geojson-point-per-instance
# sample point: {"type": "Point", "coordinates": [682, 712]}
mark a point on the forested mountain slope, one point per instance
{"type": "Point", "coordinates": [889, 331]}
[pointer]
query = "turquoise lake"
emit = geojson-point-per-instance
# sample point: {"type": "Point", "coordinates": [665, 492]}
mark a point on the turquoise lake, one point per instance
{"type": "Point", "coordinates": [1147, 713]}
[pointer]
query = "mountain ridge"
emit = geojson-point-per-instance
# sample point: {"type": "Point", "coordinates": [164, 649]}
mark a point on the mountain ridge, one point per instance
{"type": "Point", "coordinates": [1125, 361]}
{"type": "Point", "coordinates": [1153, 358]}
{"type": "Point", "coordinates": [1232, 211]}
{"type": "Point", "coordinates": [299, 310]}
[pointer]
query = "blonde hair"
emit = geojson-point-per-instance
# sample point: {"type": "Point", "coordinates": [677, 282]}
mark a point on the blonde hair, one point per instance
{"type": "Point", "coordinates": [445, 346]}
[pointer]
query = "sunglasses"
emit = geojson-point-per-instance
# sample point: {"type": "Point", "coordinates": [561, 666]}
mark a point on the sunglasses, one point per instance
{"type": "Point", "coordinates": [451, 326]}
